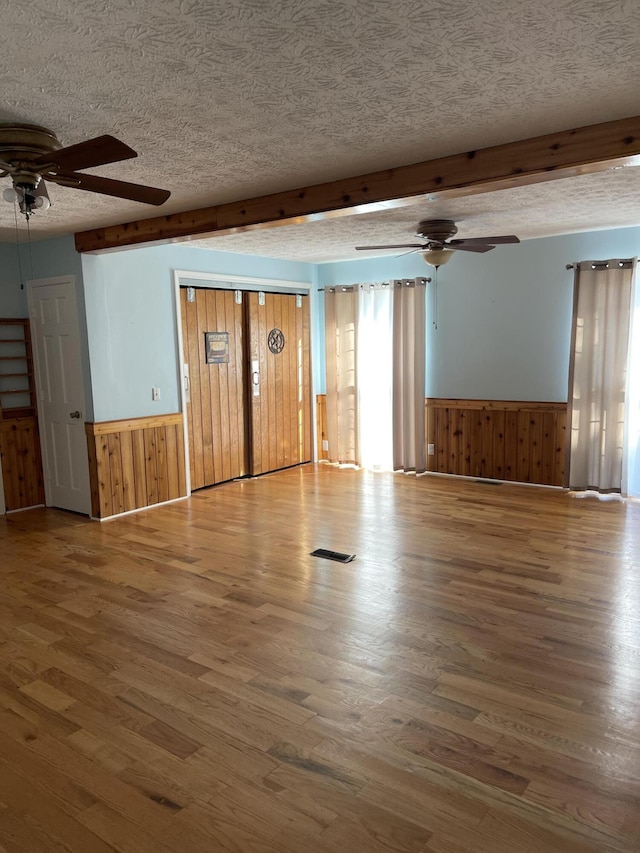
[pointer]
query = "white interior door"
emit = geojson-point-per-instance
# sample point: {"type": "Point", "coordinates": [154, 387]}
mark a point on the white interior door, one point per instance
{"type": "Point", "coordinates": [58, 372]}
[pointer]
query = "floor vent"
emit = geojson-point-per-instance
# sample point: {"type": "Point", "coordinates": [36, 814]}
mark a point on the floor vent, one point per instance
{"type": "Point", "coordinates": [333, 555]}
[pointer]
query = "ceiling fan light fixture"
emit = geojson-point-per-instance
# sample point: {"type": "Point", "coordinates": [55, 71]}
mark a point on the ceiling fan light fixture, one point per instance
{"type": "Point", "coordinates": [437, 246]}
{"type": "Point", "coordinates": [9, 194]}
{"type": "Point", "coordinates": [437, 257]}
{"type": "Point", "coordinates": [31, 154]}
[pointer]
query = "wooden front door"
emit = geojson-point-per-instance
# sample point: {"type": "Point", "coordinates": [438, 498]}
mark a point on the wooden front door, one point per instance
{"type": "Point", "coordinates": [279, 388]}
{"type": "Point", "coordinates": [213, 347]}
{"type": "Point", "coordinates": [249, 406]}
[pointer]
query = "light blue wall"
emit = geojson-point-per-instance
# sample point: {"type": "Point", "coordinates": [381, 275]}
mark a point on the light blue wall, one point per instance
{"type": "Point", "coordinates": [44, 259]}
{"type": "Point", "coordinates": [504, 318]}
{"type": "Point", "coordinates": [13, 300]}
{"type": "Point", "coordinates": [131, 320]}
{"type": "Point", "coordinates": [56, 257]}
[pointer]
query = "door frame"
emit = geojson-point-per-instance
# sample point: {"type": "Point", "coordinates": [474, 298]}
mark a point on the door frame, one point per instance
{"type": "Point", "coordinates": [31, 286]}
{"type": "Point", "coordinates": [226, 281]}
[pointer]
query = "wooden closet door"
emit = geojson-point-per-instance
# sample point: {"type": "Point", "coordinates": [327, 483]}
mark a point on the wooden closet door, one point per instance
{"type": "Point", "coordinates": [215, 407]}
{"type": "Point", "coordinates": [279, 384]}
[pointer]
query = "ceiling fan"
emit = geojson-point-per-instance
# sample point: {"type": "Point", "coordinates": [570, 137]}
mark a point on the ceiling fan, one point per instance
{"type": "Point", "coordinates": [438, 245]}
{"type": "Point", "coordinates": [30, 153]}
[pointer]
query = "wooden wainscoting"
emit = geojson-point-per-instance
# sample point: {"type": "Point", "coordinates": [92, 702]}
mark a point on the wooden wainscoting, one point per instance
{"type": "Point", "coordinates": [135, 463]}
{"type": "Point", "coordinates": [321, 426]}
{"type": "Point", "coordinates": [21, 463]}
{"type": "Point", "coordinates": [498, 439]}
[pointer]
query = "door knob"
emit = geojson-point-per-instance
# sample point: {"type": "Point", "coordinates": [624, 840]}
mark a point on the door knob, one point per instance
{"type": "Point", "coordinates": [75, 414]}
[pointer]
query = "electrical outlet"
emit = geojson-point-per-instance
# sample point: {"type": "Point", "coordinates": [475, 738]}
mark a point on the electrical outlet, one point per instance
{"type": "Point", "coordinates": [431, 449]}
{"type": "Point", "coordinates": [155, 394]}
{"type": "Point", "coordinates": [325, 444]}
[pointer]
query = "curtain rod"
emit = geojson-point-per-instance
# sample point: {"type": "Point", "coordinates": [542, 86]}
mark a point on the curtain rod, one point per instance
{"type": "Point", "coordinates": [623, 262]}
{"type": "Point", "coordinates": [350, 287]}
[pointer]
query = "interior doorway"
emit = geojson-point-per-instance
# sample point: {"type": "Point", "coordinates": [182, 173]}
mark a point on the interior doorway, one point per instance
{"type": "Point", "coordinates": [61, 405]}
{"type": "Point", "coordinates": [247, 381]}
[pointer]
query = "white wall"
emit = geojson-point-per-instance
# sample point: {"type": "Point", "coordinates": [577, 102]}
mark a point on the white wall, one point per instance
{"type": "Point", "coordinates": [504, 318]}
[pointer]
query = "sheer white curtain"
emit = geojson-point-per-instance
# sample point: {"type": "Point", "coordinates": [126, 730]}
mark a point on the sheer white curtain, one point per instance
{"type": "Point", "coordinates": [409, 346]}
{"type": "Point", "coordinates": [375, 355]}
{"type": "Point", "coordinates": [341, 332]}
{"type": "Point", "coordinates": [631, 468]}
{"type": "Point", "coordinates": [375, 363]}
{"type": "Point", "coordinates": [598, 384]}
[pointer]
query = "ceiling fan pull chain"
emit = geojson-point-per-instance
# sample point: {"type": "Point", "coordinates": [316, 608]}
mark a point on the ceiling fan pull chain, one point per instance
{"type": "Point", "coordinates": [29, 246]}
{"type": "Point", "coordinates": [435, 298]}
{"type": "Point", "coordinates": [15, 213]}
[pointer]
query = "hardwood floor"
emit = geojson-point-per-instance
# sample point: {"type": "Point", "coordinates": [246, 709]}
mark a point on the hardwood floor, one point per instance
{"type": "Point", "coordinates": [190, 679]}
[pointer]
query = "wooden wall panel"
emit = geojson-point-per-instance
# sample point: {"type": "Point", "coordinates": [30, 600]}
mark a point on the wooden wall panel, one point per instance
{"type": "Point", "coordinates": [21, 461]}
{"type": "Point", "coordinates": [135, 463]}
{"type": "Point", "coordinates": [498, 439]}
{"type": "Point", "coordinates": [128, 471]}
{"type": "Point", "coordinates": [115, 467]}
{"type": "Point", "coordinates": [492, 439]}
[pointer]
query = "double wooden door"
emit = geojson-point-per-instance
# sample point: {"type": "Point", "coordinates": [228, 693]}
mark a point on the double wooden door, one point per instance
{"type": "Point", "coordinates": [247, 375]}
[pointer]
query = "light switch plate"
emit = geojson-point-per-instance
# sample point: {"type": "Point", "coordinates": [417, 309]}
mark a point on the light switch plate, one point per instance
{"type": "Point", "coordinates": [155, 394]}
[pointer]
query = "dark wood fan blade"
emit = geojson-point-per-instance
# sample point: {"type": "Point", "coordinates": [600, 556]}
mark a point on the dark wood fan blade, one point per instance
{"type": "Point", "coordinates": [107, 186]}
{"type": "Point", "coordinates": [492, 241]}
{"type": "Point", "coordinates": [462, 246]}
{"type": "Point", "coordinates": [393, 246]}
{"type": "Point", "coordinates": [84, 155]}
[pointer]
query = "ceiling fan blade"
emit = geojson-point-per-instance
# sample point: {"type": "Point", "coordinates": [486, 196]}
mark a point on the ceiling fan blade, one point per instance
{"type": "Point", "coordinates": [107, 186]}
{"type": "Point", "coordinates": [84, 155]}
{"type": "Point", "coordinates": [462, 246]}
{"type": "Point", "coordinates": [493, 241]}
{"type": "Point", "coordinates": [393, 246]}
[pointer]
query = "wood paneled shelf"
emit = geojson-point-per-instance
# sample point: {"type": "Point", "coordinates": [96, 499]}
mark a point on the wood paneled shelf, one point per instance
{"type": "Point", "coordinates": [20, 456]}
{"type": "Point", "coordinates": [17, 388]}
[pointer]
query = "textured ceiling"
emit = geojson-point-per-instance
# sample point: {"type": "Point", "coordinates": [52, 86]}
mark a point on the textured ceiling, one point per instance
{"type": "Point", "coordinates": [228, 100]}
{"type": "Point", "coordinates": [542, 210]}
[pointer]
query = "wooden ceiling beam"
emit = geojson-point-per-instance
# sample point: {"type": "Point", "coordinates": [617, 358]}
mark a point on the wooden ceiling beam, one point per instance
{"type": "Point", "coordinates": [571, 152]}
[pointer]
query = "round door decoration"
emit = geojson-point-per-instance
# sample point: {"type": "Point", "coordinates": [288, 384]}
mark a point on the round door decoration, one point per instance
{"type": "Point", "coordinates": [275, 341]}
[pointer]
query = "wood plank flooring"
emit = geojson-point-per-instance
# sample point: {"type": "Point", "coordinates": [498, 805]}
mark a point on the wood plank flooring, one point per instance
{"type": "Point", "coordinates": [190, 679]}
